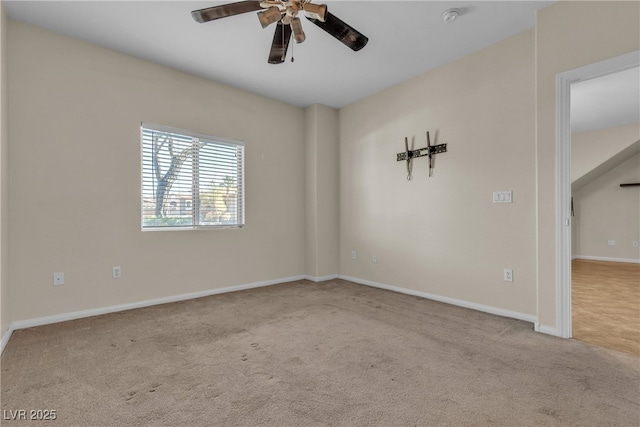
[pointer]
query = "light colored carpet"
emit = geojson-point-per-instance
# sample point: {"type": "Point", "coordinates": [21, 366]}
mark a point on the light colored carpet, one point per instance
{"type": "Point", "coordinates": [303, 354]}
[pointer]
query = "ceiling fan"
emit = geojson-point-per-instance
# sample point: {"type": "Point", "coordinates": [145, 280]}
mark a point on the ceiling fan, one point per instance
{"type": "Point", "coordinates": [285, 14]}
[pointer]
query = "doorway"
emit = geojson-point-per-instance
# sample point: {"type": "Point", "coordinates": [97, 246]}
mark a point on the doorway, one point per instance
{"type": "Point", "coordinates": [564, 83]}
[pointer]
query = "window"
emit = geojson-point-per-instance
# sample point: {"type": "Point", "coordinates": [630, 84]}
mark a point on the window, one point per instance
{"type": "Point", "coordinates": [190, 181]}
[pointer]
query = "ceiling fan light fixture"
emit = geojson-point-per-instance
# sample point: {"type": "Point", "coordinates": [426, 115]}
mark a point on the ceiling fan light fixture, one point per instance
{"type": "Point", "coordinates": [298, 33]}
{"type": "Point", "coordinates": [315, 11]}
{"type": "Point", "coordinates": [269, 16]}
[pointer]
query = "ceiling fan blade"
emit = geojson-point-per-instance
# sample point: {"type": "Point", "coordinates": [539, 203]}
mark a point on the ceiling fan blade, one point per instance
{"type": "Point", "coordinates": [280, 44]}
{"type": "Point", "coordinates": [342, 31]}
{"type": "Point", "coordinates": [217, 12]}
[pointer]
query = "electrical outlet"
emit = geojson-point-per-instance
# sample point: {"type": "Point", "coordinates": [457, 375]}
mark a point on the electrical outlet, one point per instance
{"type": "Point", "coordinates": [508, 275]}
{"type": "Point", "coordinates": [353, 255]}
{"type": "Point", "coordinates": [117, 272]}
{"type": "Point", "coordinates": [374, 259]}
{"type": "Point", "coordinates": [611, 242]}
{"type": "Point", "coordinates": [58, 279]}
{"type": "Point", "coordinates": [635, 244]}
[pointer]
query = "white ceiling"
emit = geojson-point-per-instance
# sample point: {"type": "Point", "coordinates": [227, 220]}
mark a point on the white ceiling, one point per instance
{"type": "Point", "coordinates": [406, 38]}
{"type": "Point", "coordinates": [611, 100]}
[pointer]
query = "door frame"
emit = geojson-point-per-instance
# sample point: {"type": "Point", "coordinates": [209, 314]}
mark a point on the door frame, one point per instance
{"type": "Point", "coordinates": [563, 175]}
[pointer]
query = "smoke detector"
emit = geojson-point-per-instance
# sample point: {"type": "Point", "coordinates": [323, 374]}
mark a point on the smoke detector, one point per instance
{"type": "Point", "coordinates": [450, 15]}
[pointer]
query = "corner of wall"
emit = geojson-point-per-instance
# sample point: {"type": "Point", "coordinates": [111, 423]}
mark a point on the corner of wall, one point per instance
{"type": "Point", "coordinates": [4, 185]}
{"type": "Point", "coordinates": [310, 175]}
{"type": "Point", "coordinates": [322, 191]}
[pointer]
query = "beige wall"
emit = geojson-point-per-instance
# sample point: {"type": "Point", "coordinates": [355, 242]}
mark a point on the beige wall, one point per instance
{"type": "Point", "coordinates": [569, 35]}
{"type": "Point", "coordinates": [605, 211]}
{"type": "Point", "coordinates": [75, 179]}
{"type": "Point", "coordinates": [591, 149]}
{"type": "Point", "coordinates": [322, 189]}
{"type": "Point", "coordinates": [5, 313]}
{"type": "Point", "coordinates": [443, 235]}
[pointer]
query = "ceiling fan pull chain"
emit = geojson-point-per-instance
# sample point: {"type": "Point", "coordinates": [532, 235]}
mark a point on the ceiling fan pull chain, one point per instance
{"type": "Point", "coordinates": [292, 58]}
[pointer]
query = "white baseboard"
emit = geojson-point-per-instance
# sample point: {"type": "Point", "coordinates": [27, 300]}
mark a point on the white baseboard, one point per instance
{"type": "Point", "coordinates": [453, 301]}
{"type": "Point", "coordinates": [28, 323]}
{"type": "Point", "coordinates": [5, 338]}
{"type": "Point", "coordinates": [321, 278]}
{"type": "Point", "coordinates": [546, 330]}
{"type": "Point", "coordinates": [56, 318]}
{"type": "Point", "coordinates": [600, 258]}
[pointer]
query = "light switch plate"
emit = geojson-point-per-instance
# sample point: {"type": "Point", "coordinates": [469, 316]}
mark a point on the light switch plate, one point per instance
{"type": "Point", "coordinates": [503, 197]}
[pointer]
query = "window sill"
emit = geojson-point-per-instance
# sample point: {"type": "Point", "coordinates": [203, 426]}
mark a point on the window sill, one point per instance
{"type": "Point", "coordinates": [196, 228]}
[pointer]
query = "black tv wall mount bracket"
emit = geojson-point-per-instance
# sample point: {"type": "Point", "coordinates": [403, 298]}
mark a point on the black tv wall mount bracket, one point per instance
{"type": "Point", "coordinates": [429, 150]}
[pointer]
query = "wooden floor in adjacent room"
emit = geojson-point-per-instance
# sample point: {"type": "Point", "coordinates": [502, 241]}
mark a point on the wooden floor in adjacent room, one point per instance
{"type": "Point", "coordinates": [605, 303]}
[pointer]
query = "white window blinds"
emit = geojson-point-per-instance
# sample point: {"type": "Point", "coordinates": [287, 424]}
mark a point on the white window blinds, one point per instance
{"type": "Point", "coordinates": [190, 180]}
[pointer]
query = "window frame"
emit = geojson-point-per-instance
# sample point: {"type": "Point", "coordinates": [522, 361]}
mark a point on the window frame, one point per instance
{"type": "Point", "coordinates": [240, 179]}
